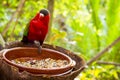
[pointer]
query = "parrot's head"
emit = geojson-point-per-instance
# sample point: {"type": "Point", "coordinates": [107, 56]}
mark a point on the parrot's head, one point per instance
{"type": "Point", "coordinates": [44, 16]}
{"type": "Point", "coordinates": [44, 12]}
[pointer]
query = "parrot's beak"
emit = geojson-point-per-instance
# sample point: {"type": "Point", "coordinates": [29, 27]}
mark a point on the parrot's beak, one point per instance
{"type": "Point", "coordinates": [41, 15]}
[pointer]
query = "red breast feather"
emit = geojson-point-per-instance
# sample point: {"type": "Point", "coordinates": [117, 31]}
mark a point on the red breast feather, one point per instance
{"type": "Point", "coordinates": [38, 28]}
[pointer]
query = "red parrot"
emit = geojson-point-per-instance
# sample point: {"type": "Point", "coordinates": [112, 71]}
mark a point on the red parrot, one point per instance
{"type": "Point", "coordinates": [37, 28]}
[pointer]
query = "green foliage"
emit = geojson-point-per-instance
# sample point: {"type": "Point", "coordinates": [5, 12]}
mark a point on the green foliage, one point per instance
{"type": "Point", "coordinates": [100, 73]}
{"type": "Point", "coordinates": [83, 26]}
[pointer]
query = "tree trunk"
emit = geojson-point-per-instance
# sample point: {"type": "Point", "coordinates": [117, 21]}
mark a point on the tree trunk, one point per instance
{"type": "Point", "coordinates": [50, 7]}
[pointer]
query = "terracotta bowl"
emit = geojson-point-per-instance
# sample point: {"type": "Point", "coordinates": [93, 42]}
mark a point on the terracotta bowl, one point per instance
{"type": "Point", "coordinates": [32, 53]}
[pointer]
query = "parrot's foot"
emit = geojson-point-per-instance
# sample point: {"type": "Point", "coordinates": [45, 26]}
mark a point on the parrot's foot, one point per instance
{"type": "Point", "coordinates": [39, 49]}
{"type": "Point", "coordinates": [38, 45]}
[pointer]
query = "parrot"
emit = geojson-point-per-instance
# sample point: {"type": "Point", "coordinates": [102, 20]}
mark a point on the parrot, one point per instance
{"type": "Point", "coordinates": [37, 29]}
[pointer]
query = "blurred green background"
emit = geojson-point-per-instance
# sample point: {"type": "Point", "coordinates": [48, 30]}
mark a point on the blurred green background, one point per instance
{"type": "Point", "coordinates": [84, 27]}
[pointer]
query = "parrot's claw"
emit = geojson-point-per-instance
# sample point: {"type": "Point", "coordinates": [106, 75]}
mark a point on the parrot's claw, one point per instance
{"type": "Point", "coordinates": [39, 49]}
{"type": "Point", "coordinates": [39, 46]}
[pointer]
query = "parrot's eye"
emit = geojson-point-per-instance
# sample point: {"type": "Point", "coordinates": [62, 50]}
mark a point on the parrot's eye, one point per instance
{"type": "Point", "coordinates": [41, 15]}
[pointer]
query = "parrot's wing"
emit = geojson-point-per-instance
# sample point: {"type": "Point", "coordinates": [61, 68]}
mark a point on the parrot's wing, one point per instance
{"type": "Point", "coordinates": [26, 30]}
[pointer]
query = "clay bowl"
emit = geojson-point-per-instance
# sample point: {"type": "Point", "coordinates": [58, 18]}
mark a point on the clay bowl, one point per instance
{"type": "Point", "coordinates": [27, 53]}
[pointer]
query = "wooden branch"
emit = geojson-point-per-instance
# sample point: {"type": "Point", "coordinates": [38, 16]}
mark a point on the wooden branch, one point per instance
{"type": "Point", "coordinates": [50, 7]}
{"type": "Point", "coordinates": [12, 32]}
{"type": "Point", "coordinates": [103, 51]}
{"type": "Point", "coordinates": [108, 63]}
{"type": "Point", "coordinates": [20, 6]}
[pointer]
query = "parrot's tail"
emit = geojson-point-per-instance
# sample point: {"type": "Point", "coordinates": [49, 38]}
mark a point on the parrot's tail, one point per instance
{"type": "Point", "coordinates": [26, 41]}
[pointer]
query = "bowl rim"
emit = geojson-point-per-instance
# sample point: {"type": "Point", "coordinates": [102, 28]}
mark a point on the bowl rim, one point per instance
{"type": "Point", "coordinates": [71, 64]}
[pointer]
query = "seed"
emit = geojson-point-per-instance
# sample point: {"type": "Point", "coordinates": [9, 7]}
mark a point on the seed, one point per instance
{"type": "Point", "coordinates": [44, 63]}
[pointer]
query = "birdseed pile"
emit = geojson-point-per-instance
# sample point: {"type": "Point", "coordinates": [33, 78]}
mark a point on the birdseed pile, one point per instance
{"type": "Point", "coordinates": [47, 63]}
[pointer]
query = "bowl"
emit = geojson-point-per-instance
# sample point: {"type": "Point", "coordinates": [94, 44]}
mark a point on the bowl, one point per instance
{"type": "Point", "coordinates": [28, 53]}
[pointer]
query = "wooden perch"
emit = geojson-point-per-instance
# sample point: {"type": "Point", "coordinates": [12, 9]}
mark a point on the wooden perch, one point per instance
{"type": "Point", "coordinates": [108, 63]}
{"type": "Point", "coordinates": [103, 51]}
{"type": "Point", "coordinates": [20, 6]}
